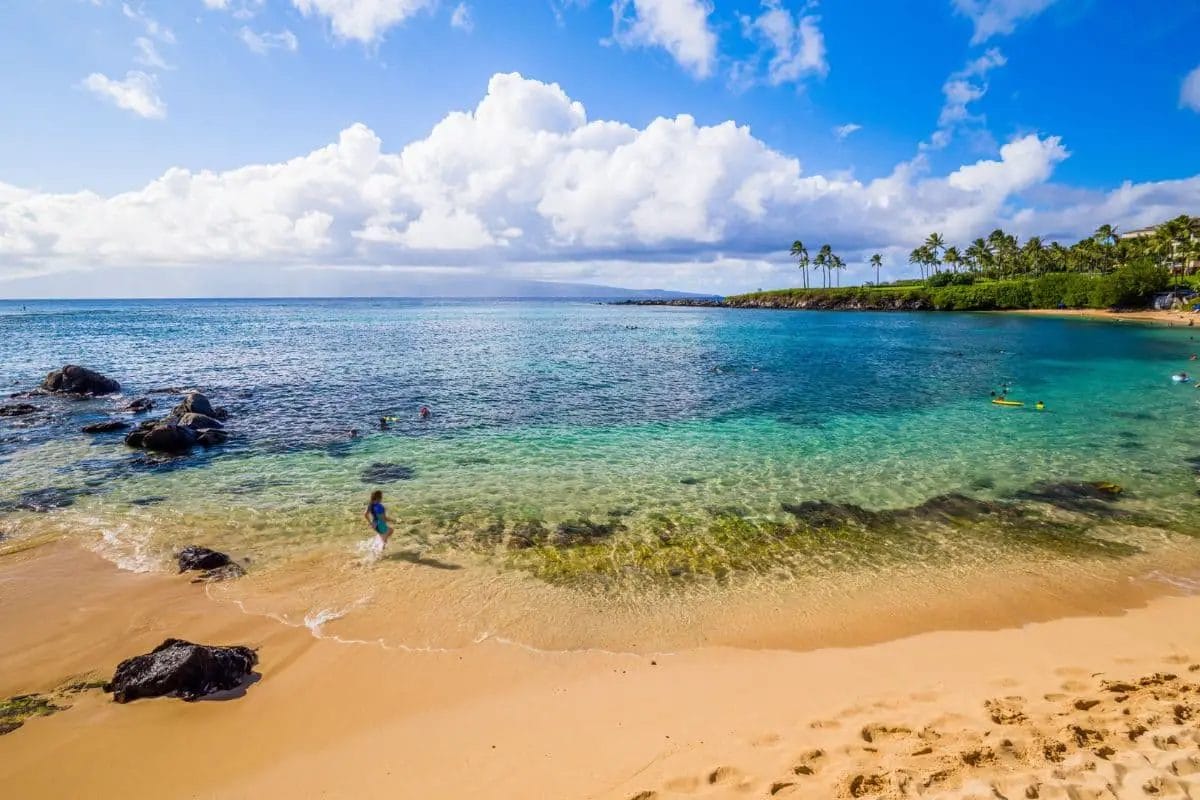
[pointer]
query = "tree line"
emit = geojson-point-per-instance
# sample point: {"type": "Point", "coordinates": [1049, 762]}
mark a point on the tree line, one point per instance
{"type": "Point", "coordinates": [1173, 245]}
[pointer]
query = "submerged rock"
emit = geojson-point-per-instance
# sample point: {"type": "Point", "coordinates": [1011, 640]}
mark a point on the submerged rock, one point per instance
{"type": "Point", "coordinates": [141, 405]}
{"type": "Point", "coordinates": [43, 500]}
{"type": "Point", "coordinates": [823, 514]}
{"type": "Point", "coordinates": [17, 410]}
{"type": "Point", "coordinates": [1074, 496]}
{"type": "Point", "coordinates": [79, 381]}
{"type": "Point", "coordinates": [108, 426]}
{"type": "Point", "coordinates": [584, 531]}
{"type": "Point", "coordinates": [183, 669]}
{"type": "Point", "coordinates": [380, 472]}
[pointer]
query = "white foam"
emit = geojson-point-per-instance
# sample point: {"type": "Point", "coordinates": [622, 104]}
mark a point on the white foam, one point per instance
{"type": "Point", "coordinates": [125, 546]}
{"type": "Point", "coordinates": [1186, 584]}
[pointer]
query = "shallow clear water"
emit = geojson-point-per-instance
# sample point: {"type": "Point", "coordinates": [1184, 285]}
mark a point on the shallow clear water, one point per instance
{"type": "Point", "coordinates": [646, 428]}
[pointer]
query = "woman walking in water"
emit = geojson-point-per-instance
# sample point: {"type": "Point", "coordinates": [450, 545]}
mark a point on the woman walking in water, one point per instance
{"type": "Point", "coordinates": [376, 514]}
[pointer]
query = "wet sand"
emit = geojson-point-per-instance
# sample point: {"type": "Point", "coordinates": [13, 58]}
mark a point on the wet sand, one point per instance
{"type": "Point", "coordinates": [953, 713]}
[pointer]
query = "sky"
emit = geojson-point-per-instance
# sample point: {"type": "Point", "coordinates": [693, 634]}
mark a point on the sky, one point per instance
{"type": "Point", "coordinates": [278, 147]}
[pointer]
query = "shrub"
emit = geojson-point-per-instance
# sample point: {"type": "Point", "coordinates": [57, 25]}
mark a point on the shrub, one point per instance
{"type": "Point", "coordinates": [950, 279]}
{"type": "Point", "coordinates": [1134, 283]}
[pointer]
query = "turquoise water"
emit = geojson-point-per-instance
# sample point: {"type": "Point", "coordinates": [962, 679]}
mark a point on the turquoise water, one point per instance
{"type": "Point", "coordinates": [608, 445]}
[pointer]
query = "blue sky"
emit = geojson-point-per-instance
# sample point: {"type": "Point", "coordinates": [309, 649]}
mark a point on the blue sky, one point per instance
{"type": "Point", "coordinates": [147, 137]}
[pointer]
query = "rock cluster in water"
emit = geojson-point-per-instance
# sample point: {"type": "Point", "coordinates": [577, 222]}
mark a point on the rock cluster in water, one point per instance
{"type": "Point", "coordinates": [193, 422]}
{"type": "Point", "coordinates": [79, 382]}
{"type": "Point", "coordinates": [181, 669]}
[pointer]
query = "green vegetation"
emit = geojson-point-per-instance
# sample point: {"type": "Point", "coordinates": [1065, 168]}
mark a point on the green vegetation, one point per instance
{"type": "Point", "coordinates": [15, 710]}
{"type": "Point", "coordinates": [1105, 270]}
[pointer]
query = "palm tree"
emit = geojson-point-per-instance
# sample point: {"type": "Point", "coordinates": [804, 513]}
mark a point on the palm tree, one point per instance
{"type": "Point", "coordinates": [952, 257]}
{"type": "Point", "coordinates": [800, 253]}
{"type": "Point", "coordinates": [979, 255]}
{"type": "Point", "coordinates": [917, 256]}
{"type": "Point", "coordinates": [876, 262]}
{"type": "Point", "coordinates": [1106, 234]}
{"type": "Point", "coordinates": [935, 243]}
{"type": "Point", "coordinates": [1031, 255]}
{"type": "Point", "coordinates": [837, 265]}
{"type": "Point", "coordinates": [825, 261]}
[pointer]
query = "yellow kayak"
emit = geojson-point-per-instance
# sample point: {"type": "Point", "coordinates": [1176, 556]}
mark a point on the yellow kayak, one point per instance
{"type": "Point", "coordinates": [999, 402]}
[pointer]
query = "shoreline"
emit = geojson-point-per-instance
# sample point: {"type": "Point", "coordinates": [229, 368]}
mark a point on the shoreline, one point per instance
{"type": "Point", "coordinates": [499, 721]}
{"type": "Point", "coordinates": [1169, 318]}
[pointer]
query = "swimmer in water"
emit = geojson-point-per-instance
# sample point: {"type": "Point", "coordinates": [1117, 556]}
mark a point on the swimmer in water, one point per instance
{"type": "Point", "coordinates": [425, 413]}
{"type": "Point", "coordinates": [383, 423]}
{"type": "Point", "coordinates": [1040, 406]}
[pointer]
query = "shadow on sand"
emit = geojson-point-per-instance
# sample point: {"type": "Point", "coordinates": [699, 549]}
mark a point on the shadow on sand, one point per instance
{"type": "Point", "coordinates": [414, 557]}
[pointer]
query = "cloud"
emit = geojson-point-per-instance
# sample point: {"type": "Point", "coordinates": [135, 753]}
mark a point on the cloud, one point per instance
{"type": "Point", "coordinates": [364, 20]}
{"type": "Point", "coordinates": [681, 27]}
{"type": "Point", "coordinates": [793, 47]}
{"type": "Point", "coordinates": [842, 131]}
{"type": "Point", "coordinates": [138, 93]}
{"type": "Point", "coordinates": [148, 55]}
{"type": "Point", "coordinates": [153, 29]}
{"type": "Point", "coordinates": [960, 90]}
{"type": "Point", "coordinates": [263, 43]}
{"type": "Point", "coordinates": [461, 18]}
{"type": "Point", "coordinates": [998, 17]}
{"type": "Point", "coordinates": [1189, 94]}
{"type": "Point", "coordinates": [216, 5]}
{"type": "Point", "coordinates": [526, 184]}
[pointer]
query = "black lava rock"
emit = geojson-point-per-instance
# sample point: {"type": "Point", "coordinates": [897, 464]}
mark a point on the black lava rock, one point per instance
{"type": "Point", "coordinates": [183, 669]}
{"type": "Point", "coordinates": [79, 381]}
{"type": "Point", "coordinates": [105, 427]}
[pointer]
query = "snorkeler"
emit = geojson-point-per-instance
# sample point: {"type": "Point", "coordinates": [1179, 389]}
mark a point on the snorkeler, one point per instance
{"type": "Point", "coordinates": [383, 423]}
{"type": "Point", "coordinates": [376, 514]}
{"type": "Point", "coordinates": [1040, 406]}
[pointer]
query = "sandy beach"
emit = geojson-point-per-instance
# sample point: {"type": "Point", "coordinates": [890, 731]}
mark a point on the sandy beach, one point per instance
{"type": "Point", "coordinates": [1177, 318]}
{"type": "Point", "coordinates": [1075, 707]}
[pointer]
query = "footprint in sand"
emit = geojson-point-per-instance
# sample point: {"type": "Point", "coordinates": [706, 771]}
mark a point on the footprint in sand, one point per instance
{"type": "Point", "coordinates": [875, 733]}
{"type": "Point", "coordinates": [864, 785]}
{"type": "Point", "coordinates": [645, 796]}
{"type": "Point", "coordinates": [809, 763]}
{"type": "Point", "coordinates": [1006, 711]}
{"type": "Point", "coordinates": [784, 789]}
{"type": "Point", "coordinates": [724, 776]}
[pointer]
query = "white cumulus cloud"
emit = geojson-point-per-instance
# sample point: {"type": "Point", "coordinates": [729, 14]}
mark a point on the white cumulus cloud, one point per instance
{"type": "Point", "coordinates": [137, 92]}
{"type": "Point", "coordinates": [792, 46]}
{"type": "Point", "coordinates": [526, 184]}
{"type": "Point", "coordinates": [363, 20]}
{"type": "Point", "coordinates": [681, 27]}
{"type": "Point", "coordinates": [267, 41]}
{"type": "Point", "coordinates": [962, 89]}
{"type": "Point", "coordinates": [998, 17]}
{"type": "Point", "coordinates": [1189, 94]}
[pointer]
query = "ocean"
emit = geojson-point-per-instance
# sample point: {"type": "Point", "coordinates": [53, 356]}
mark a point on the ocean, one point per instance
{"type": "Point", "coordinates": [609, 453]}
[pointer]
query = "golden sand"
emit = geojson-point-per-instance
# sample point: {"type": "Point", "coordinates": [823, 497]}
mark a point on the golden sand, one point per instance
{"type": "Point", "coordinates": [1080, 707]}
